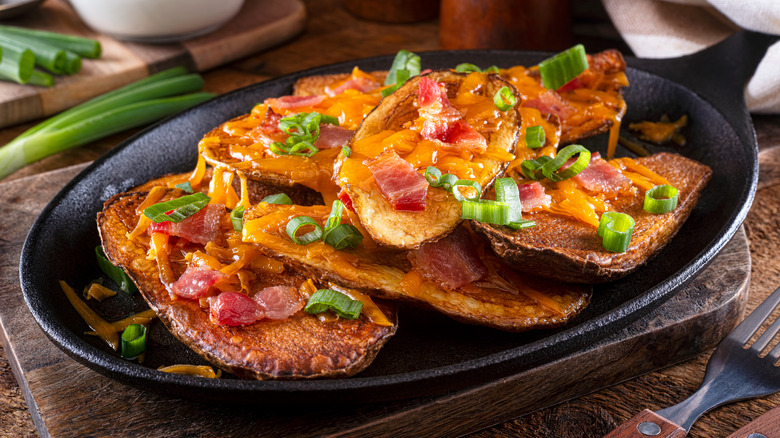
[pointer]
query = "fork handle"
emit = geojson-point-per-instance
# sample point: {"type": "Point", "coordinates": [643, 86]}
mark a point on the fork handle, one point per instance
{"type": "Point", "coordinates": [647, 424]}
{"type": "Point", "coordinates": [768, 424]}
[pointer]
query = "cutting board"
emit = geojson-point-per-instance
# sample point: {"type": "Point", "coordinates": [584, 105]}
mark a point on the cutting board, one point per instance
{"type": "Point", "coordinates": [259, 25]}
{"type": "Point", "coordinates": [68, 399]}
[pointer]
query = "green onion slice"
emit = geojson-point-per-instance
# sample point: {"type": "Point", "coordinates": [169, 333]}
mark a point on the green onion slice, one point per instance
{"type": "Point", "coordinates": [118, 275]}
{"type": "Point", "coordinates": [300, 221]}
{"type": "Point", "coordinates": [558, 70]}
{"type": "Point", "coordinates": [491, 212]}
{"type": "Point", "coordinates": [329, 299]}
{"type": "Point", "coordinates": [343, 236]}
{"type": "Point", "coordinates": [405, 61]}
{"type": "Point", "coordinates": [433, 176]}
{"type": "Point", "coordinates": [180, 208]}
{"type": "Point", "coordinates": [534, 137]}
{"type": "Point", "coordinates": [467, 68]}
{"type": "Point", "coordinates": [616, 229]}
{"type": "Point", "coordinates": [552, 169]}
{"type": "Point", "coordinates": [334, 218]}
{"type": "Point", "coordinates": [346, 151]}
{"type": "Point", "coordinates": [237, 217]}
{"type": "Point", "coordinates": [507, 192]}
{"type": "Point", "coordinates": [522, 223]}
{"type": "Point", "coordinates": [186, 186]}
{"type": "Point", "coordinates": [532, 169]}
{"type": "Point", "coordinates": [279, 198]}
{"type": "Point", "coordinates": [661, 199]}
{"type": "Point", "coordinates": [133, 341]}
{"type": "Point", "coordinates": [448, 181]}
{"type": "Point", "coordinates": [504, 99]}
{"type": "Point", "coordinates": [466, 183]}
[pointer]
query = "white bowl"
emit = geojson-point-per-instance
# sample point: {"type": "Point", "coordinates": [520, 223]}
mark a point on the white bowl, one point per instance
{"type": "Point", "coordinates": [156, 21]}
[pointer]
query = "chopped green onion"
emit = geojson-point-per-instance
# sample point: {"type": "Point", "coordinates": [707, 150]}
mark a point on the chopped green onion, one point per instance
{"type": "Point", "coordinates": [279, 198]}
{"type": "Point", "coordinates": [304, 130]}
{"type": "Point", "coordinates": [17, 65]}
{"type": "Point", "coordinates": [186, 186]}
{"type": "Point", "coordinates": [85, 47]}
{"type": "Point", "coordinates": [405, 65]}
{"type": "Point", "coordinates": [237, 218]}
{"type": "Point", "coordinates": [334, 218]}
{"type": "Point", "coordinates": [118, 275]}
{"type": "Point", "coordinates": [616, 229]}
{"type": "Point", "coordinates": [40, 79]}
{"type": "Point", "coordinates": [532, 169]}
{"type": "Point", "coordinates": [661, 199]}
{"type": "Point", "coordinates": [179, 208]}
{"type": "Point", "coordinates": [346, 151]}
{"type": "Point", "coordinates": [301, 221]}
{"type": "Point", "coordinates": [436, 179]}
{"type": "Point", "coordinates": [133, 341]}
{"type": "Point", "coordinates": [72, 63]}
{"type": "Point", "coordinates": [343, 236]}
{"type": "Point", "coordinates": [534, 137]}
{"type": "Point", "coordinates": [491, 212]}
{"type": "Point", "coordinates": [558, 70]}
{"type": "Point", "coordinates": [47, 56]}
{"type": "Point", "coordinates": [432, 175]}
{"type": "Point", "coordinates": [469, 68]}
{"type": "Point", "coordinates": [505, 99]}
{"type": "Point", "coordinates": [329, 299]}
{"type": "Point", "coordinates": [507, 191]}
{"type": "Point", "coordinates": [552, 169]}
{"type": "Point", "coordinates": [466, 183]}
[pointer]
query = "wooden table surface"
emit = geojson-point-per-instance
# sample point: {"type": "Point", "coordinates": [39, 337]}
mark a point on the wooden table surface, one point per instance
{"type": "Point", "coordinates": [332, 35]}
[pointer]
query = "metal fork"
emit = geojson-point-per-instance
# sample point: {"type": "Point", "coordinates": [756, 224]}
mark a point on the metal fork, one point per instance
{"type": "Point", "coordinates": [734, 372]}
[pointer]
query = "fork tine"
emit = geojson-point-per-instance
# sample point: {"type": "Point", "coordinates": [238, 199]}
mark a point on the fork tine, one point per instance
{"type": "Point", "coordinates": [749, 325]}
{"type": "Point", "coordinates": [766, 337]}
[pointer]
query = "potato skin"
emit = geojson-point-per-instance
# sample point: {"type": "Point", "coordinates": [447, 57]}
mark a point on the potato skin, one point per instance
{"type": "Point", "coordinates": [565, 249]}
{"type": "Point", "coordinates": [409, 230]}
{"type": "Point", "coordinates": [299, 347]}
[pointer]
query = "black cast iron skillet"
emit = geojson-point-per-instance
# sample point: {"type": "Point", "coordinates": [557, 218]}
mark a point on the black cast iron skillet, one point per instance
{"type": "Point", "coordinates": [430, 353]}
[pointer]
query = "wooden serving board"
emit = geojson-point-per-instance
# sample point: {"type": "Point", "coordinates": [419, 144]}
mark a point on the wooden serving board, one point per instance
{"type": "Point", "coordinates": [259, 25]}
{"type": "Point", "coordinates": [68, 399]}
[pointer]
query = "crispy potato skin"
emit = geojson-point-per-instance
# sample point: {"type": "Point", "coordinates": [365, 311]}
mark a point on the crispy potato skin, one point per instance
{"type": "Point", "coordinates": [409, 230]}
{"type": "Point", "coordinates": [383, 272]}
{"type": "Point", "coordinates": [565, 249]}
{"type": "Point", "coordinates": [300, 347]}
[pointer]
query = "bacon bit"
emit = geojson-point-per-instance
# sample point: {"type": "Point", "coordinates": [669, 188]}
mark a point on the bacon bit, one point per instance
{"type": "Point", "coordinates": [599, 176]}
{"type": "Point", "coordinates": [346, 200]}
{"type": "Point", "coordinates": [196, 282]}
{"type": "Point", "coordinates": [550, 102]}
{"type": "Point", "coordinates": [294, 102]}
{"type": "Point", "coordinates": [363, 85]}
{"type": "Point", "coordinates": [333, 136]}
{"type": "Point", "coordinates": [270, 123]}
{"type": "Point", "coordinates": [443, 122]}
{"type": "Point", "coordinates": [532, 196]}
{"type": "Point", "coordinates": [399, 183]}
{"type": "Point", "coordinates": [202, 227]}
{"type": "Point", "coordinates": [233, 308]}
{"type": "Point", "coordinates": [279, 302]}
{"type": "Point", "coordinates": [452, 261]}
{"type": "Point", "coordinates": [571, 85]}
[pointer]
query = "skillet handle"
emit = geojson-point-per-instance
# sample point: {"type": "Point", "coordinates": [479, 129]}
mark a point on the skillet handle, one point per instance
{"type": "Point", "coordinates": [722, 68]}
{"type": "Point", "coordinates": [647, 424]}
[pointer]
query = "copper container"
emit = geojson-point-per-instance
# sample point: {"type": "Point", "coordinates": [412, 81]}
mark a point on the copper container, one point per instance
{"type": "Point", "coordinates": [393, 11]}
{"type": "Point", "coordinates": [505, 24]}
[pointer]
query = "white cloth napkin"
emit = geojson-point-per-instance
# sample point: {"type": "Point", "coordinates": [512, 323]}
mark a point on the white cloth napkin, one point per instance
{"type": "Point", "coordinates": [672, 28]}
